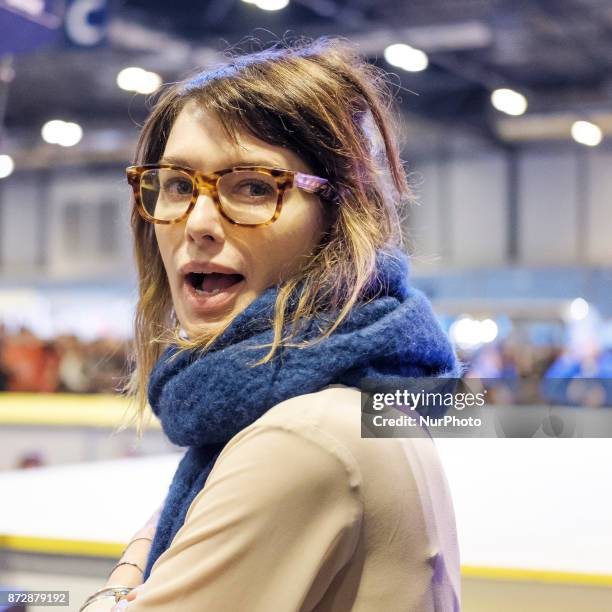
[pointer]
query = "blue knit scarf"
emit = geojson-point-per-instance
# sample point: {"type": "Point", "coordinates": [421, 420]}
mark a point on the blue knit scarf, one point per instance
{"type": "Point", "coordinates": [204, 400]}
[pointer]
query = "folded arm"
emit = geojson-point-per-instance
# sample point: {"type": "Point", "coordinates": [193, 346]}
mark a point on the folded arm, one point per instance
{"type": "Point", "coordinates": [278, 518]}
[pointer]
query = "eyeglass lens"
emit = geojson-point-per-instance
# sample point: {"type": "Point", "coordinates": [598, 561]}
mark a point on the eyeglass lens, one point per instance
{"type": "Point", "coordinates": [246, 196]}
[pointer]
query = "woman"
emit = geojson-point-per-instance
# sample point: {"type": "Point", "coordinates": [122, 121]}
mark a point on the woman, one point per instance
{"type": "Point", "coordinates": [266, 198]}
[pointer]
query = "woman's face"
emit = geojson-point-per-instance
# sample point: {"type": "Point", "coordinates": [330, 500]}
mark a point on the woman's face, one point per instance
{"type": "Point", "coordinates": [246, 260]}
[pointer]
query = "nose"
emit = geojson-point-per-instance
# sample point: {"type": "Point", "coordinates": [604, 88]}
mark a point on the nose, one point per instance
{"type": "Point", "coordinates": [204, 223]}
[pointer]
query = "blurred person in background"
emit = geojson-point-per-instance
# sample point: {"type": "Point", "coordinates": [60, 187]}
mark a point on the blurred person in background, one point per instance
{"type": "Point", "coordinates": [107, 363]}
{"type": "Point", "coordinates": [29, 460]}
{"type": "Point", "coordinates": [493, 361]}
{"type": "Point", "coordinates": [32, 364]}
{"type": "Point", "coordinates": [4, 371]}
{"type": "Point", "coordinates": [511, 369]}
{"type": "Point", "coordinates": [73, 376]}
{"type": "Point", "coordinates": [493, 365]}
{"type": "Point", "coordinates": [582, 374]}
{"type": "Point", "coordinates": [266, 195]}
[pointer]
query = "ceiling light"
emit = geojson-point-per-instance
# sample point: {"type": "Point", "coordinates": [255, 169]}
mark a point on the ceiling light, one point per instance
{"type": "Point", "coordinates": [470, 333]}
{"type": "Point", "coordinates": [138, 80]}
{"type": "Point", "coordinates": [64, 133]}
{"type": "Point", "coordinates": [579, 309]}
{"type": "Point", "coordinates": [586, 133]}
{"type": "Point", "coordinates": [7, 165]}
{"type": "Point", "coordinates": [509, 101]}
{"type": "Point", "coordinates": [406, 57]}
{"type": "Point", "coordinates": [488, 330]}
{"type": "Point", "coordinates": [268, 5]}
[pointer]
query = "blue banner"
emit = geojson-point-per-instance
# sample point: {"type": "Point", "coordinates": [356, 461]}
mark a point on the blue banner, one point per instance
{"type": "Point", "coordinates": [26, 25]}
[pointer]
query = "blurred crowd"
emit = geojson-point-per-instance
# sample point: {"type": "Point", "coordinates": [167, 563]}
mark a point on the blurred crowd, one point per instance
{"type": "Point", "coordinates": [511, 359]}
{"type": "Point", "coordinates": [515, 371]}
{"type": "Point", "coordinates": [63, 364]}
{"type": "Point", "coordinates": [523, 373]}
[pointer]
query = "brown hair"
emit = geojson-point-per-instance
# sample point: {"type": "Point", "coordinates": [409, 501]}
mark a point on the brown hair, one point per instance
{"type": "Point", "coordinates": [327, 104]}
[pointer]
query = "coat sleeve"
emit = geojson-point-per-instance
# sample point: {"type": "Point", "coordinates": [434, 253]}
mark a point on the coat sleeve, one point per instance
{"type": "Point", "coordinates": [278, 518]}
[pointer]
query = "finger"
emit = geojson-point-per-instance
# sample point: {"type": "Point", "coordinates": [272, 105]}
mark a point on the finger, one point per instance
{"type": "Point", "coordinates": [120, 606]}
{"type": "Point", "coordinates": [134, 592]}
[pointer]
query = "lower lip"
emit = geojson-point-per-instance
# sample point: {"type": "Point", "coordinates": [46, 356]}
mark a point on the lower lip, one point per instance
{"type": "Point", "coordinates": [202, 304]}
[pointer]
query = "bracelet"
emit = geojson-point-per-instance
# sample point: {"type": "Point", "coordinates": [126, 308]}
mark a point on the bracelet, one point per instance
{"type": "Point", "coordinates": [118, 592]}
{"type": "Point", "coordinates": [135, 540]}
{"type": "Point", "coordinates": [90, 601]}
{"type": "Point", "coordinates": [126, 563]}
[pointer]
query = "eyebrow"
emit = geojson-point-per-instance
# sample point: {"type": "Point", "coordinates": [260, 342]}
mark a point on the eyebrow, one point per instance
{"type": "Point", "coordinates": [181, 161]}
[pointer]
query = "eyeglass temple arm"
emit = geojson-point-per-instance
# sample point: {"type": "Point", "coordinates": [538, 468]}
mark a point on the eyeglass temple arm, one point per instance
{"type": "Point", "coordinates": [315, 184]}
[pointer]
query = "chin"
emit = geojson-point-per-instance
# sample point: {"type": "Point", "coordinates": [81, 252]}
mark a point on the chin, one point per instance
{"type": "Point", "coordinates": [208, 324]}
{"type": "Point", "coordinates": [195, 327]}
{"type": "Point", "coordinates": [193, 322]}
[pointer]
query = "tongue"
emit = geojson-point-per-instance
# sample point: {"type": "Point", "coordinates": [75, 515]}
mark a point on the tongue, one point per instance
{"type": "Point", "coordinates": [220, 282]}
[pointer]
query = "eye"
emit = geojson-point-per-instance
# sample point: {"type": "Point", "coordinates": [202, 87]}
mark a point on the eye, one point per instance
{"type": "Point", "coordinates": [254, 189]}
{"type": "Point", "coordinates": [178, 186]}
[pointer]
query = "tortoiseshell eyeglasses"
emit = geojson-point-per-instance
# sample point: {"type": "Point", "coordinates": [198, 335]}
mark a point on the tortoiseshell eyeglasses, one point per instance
{"type": "Point", "coordinates": [245, 195]}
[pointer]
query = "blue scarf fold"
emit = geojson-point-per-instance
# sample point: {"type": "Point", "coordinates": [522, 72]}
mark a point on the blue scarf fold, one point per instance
{"type": "Point", "coordinates": [203, 400]}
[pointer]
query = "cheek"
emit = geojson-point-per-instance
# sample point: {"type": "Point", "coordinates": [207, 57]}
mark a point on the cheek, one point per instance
{"type": "Point", "coordinates": [309, 224]}
{"type": "Point", "coordinates": [165, 243]}
{"type": "Point", "coordinates": [279, 251]}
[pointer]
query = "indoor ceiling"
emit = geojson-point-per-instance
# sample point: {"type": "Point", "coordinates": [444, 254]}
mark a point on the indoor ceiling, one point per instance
{"type": "Point", "coordinates": [557, 53]}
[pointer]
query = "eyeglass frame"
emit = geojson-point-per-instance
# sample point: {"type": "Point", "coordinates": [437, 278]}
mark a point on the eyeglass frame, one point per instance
{"type": "Point", "coordinates": [208, 181]}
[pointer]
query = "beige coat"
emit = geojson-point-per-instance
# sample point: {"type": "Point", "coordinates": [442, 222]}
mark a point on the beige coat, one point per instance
{"type": "Point", "coordinates": [301, 513]}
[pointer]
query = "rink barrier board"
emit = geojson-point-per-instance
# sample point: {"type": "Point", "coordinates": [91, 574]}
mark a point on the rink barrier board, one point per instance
{"type": "Point", "coordinates": [69, 410]}
{"type": "Point", "coordinates": [115, 549]}
{"type": "Point", "coordinates": [107, 411]}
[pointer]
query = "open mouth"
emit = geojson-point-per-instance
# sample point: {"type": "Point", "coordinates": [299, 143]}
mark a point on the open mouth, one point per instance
{"type": "Point", "coordinates": [212, 283]}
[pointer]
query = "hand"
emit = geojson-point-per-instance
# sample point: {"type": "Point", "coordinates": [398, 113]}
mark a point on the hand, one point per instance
{"type": "Point", "coordinates": [121, 605]}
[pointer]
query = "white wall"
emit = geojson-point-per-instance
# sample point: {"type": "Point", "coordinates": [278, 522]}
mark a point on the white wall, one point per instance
{"type": "Point", "coordinates": [19, 224]}
{"type": "Point", "coordinates": [548, 213]}
{"type": "Point", "coordinates": [65, 225]}
{"type": "Point", "coordinates": [426, 222]}
{"type": "Point", "coordinates": [599, 216]}
{"type": "Point", "coordinates": [563, 208]}
{"type": "Point", "coordinates": [477, 189]}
